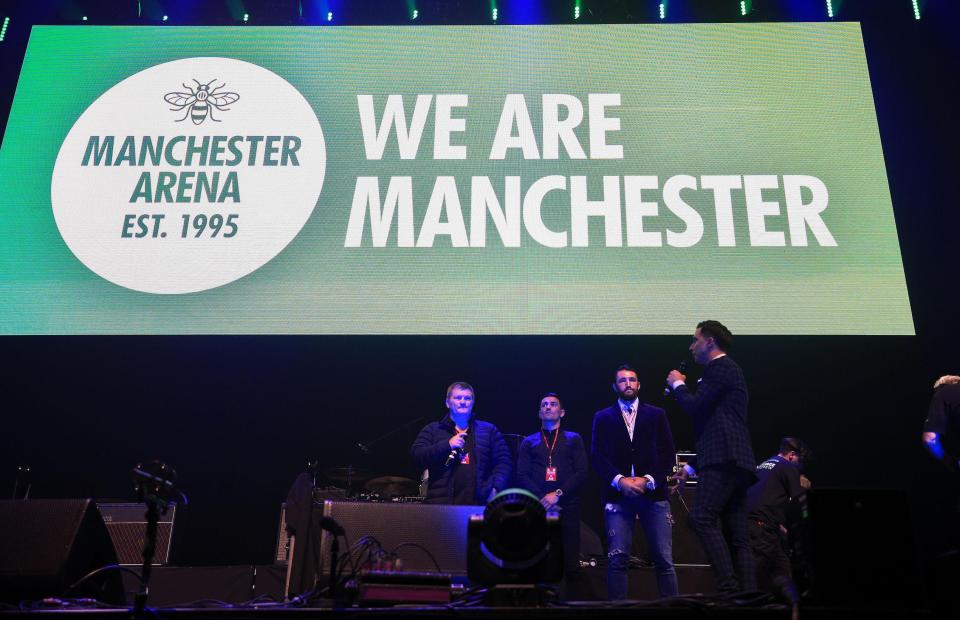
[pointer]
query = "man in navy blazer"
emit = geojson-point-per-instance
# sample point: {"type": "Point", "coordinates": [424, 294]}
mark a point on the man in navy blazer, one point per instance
{"type": "Point", "coordinates": [725, 462]}
{"type": "Point", "coordinates": [632, 450]}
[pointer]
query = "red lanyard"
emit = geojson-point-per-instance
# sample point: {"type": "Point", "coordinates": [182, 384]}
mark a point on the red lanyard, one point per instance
{"type": "Point", "coordinates": [556, 435]}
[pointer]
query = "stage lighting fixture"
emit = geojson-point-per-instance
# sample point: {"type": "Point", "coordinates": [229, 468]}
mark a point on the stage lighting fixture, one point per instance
{"type": "Point", "coordinates": [246, 17]}
{"type": "Point", "coordinates": [3, 29]}
{"type": "Point", "coordinates": [495, 13]}
{"type": "Point", "coordinates": [330, 16]}
{"type": "Point", "coordinates": [743, 7]}
{"type": "Point", "coordinates": [416, 14]}
{"type": "Point", "coordinates": [576, 10]}
{"type": "Point", "coordinates": [830, 9]}
{"type": "Point", "coordinates": [166, 17]}
{"type": "Point", "coordinates": [916, 9]}
{"type": "Point", "coordinates": [663, 10]}
{"type": "Point", "coordinates": [84, 18]}
{"type": "Point", "coordinates": [515, 541]}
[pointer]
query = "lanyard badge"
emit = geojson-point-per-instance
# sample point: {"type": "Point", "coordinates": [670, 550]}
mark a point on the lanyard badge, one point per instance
{"type": "Point", "coordinates": [551, 474]}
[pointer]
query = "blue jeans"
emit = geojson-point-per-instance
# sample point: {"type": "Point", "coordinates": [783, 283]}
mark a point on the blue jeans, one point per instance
{"type": "Point", "coordinates": [657, 523]}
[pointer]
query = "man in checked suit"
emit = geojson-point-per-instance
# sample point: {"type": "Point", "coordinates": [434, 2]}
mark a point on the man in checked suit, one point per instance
{"type": "Point", "coordinates": [726, 466]}
{"type": "Point", "coordinates": [632, 450]}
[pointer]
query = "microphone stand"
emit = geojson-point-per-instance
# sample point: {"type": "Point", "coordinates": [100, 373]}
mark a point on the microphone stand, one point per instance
{"type": "Point", "coordinates": [365, 446]}
{"type": "Point", "coordinates": [149, 550]}
{"type": "Point", "coordinates": [155, 487]}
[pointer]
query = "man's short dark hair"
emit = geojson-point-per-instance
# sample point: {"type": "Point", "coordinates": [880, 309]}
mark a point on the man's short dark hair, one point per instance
{"type": "Point", "coordinates": [627, 368]}
{"type": "Point", "coordinates": [718, 331]}
{"type": "Point", "coordinates": [463, 385]}
{"type": "Point", "coordinates": [795, 444]}
{"type": "Point", "coordinates": [555, 395]}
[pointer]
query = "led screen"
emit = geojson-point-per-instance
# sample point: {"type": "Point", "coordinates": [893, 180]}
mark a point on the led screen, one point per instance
{"type": "Point", "coordinates": [588, 179]}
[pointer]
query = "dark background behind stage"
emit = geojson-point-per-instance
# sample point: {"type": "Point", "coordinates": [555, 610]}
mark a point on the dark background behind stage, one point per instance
{"type": "Point", "coordinates": [239, 417]}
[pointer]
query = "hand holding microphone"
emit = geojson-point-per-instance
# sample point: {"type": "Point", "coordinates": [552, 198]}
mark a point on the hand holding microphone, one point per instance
{"type": "Point", "coordinates": [456, 447]}
{"type": "Point", "coordinates": [675, 375]}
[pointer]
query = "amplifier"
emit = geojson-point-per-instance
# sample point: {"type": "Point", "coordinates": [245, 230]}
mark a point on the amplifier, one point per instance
{"type": "Point", "coordinates": [431, 536]}
{"type": "Point", "coordinates": [320, 495]}
{"type": "Point", "coordinates": [127, 526]}
{"type": "Point", "coordinates": [283, 538]}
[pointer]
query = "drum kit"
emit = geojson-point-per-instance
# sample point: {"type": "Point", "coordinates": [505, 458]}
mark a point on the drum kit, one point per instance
{"type": "Point", "coordinates": [358, 484]}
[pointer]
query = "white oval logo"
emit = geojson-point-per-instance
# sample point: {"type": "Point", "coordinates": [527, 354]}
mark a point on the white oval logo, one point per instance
{"type": "Point", "coordinates": [188, 175]}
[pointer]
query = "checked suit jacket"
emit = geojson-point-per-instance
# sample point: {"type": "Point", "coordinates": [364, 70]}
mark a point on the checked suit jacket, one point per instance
{"type": "Point", "coordinates": [718, 408]}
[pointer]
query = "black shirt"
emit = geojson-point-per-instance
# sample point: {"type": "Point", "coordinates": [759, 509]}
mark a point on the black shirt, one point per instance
{"type": "Point", "coordinates": [777, 490]}
{"type": "Point", "coordinates": [464, 479]}
{"type": "Point", "coordinates": [569, 457]}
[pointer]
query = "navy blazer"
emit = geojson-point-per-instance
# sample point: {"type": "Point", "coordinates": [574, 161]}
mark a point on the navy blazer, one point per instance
{"type": "Point", "coordinates": [651, 451]}
{"type": "Point", "coordinates": [719, 412]}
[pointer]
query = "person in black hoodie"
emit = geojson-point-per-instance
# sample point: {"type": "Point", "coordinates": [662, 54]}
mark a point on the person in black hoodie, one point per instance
{"type": "Point", "coordinates": [467, 459]}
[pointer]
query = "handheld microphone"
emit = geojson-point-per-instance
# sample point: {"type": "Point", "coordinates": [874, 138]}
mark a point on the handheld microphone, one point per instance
{"type": "Point", "coordinates": [682, 369]}
{"type": "Point", "coordinates": [454, 454]}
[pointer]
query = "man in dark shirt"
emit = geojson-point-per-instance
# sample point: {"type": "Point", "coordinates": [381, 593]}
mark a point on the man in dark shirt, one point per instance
{"type": "Point", "coordinates": [778, 490]}
{"type": "Point", "coordinates": [941, 431]}
{"type": "Point", "coordinates": [467, 459]}
{"type": "Point", "coordinates": [552, 465]}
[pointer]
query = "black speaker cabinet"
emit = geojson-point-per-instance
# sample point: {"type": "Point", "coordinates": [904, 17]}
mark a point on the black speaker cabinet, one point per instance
{"type": "Point", "coordinates": [440, 530]}
{"type": "Point", "coordinates": [46, 545]}
{"type": "Point", "coordinates": [412, 530]}
{"type": "Point", "coordinates": [861, 545]}
{"type": "Point", "coordinates": [127, 526]}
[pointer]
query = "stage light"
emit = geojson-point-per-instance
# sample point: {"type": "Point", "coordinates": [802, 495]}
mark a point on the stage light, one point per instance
{"type": "Point", "coordinates": [830, 9]}
{"type": "Point", "coordinates": [663, 10]}
{"type": "Point", "coordinates": [495, 13]}
{"type": "Point", "coordinates": [329, 16]}
{"type": "Point", "coordinates": [514, 541]}
{"type": "Point", "coordinates": [166, 17]}
{"type": "Point", "coordinates": [246, 17]}
{"type": "Point", "coordinates": [3, 29]}
{"type": "Point", "coordinates": [84, 18]}
{"type": "Point", "coordinates": [416, 14]}
{"type": "Point", "coordinates": [743, 7]}
{"type": "Point", "coordinates": [916, 9]}
{"type": "Point", "coordinates": [576, 10]}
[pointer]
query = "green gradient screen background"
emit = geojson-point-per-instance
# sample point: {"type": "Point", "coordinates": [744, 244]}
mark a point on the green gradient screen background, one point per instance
{"type": "Point", "coordinates": [704, 99]}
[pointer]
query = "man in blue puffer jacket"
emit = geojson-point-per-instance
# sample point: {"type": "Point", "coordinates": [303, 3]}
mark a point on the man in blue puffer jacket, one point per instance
{"type": "Point", "coordinates": [467, 459]}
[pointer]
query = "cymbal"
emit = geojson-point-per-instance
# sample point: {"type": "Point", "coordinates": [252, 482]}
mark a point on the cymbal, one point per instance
{"type": "Point", "coordinates": [344, 473]}
{"type": "Point", "coordinates": [392, 485]}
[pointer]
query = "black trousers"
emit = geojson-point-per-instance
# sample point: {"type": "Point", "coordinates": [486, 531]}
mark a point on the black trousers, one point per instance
{"type": "Point", "coordinates": [771, 558]}
{"type": "Point", "coordinates": [719, 518]}
{"type": "Point", "coordinates": [573, 588]}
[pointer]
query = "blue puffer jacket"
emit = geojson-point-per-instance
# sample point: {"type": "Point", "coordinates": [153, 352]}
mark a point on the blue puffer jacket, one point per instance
{"type": "Point", "coordinates": [431, 448]}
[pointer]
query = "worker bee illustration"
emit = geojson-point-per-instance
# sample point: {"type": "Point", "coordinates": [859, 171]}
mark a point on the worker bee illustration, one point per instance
{"type": "Point", "coordinates": [200, 102]}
